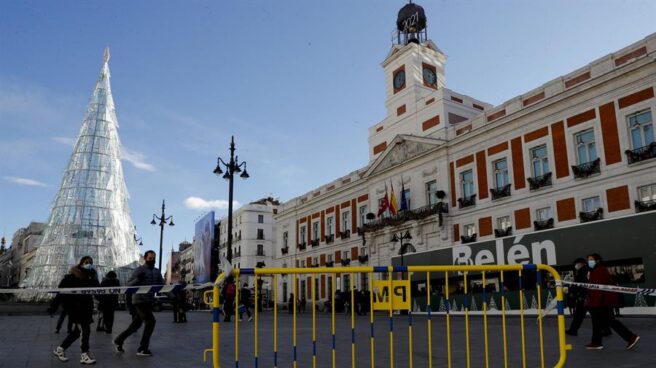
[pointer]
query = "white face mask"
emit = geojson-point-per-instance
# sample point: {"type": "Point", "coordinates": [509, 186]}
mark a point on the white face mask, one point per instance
{"type": "Point", "coordinates": [592, 263]}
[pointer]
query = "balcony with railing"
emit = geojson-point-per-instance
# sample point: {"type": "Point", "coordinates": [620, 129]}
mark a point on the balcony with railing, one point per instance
{"type": "Point", "coordinates": [363, 258]}
{"type": "Point", "coordinates": [302, 246]}
{"type": "Point", "coordinates": [314, 242]}
{"type": "Point", "coordinates": [597, 214]}
{"type": "Point", "coordinates": [330, 238]}
{"type": "Point", "coordinates": [500, 192]}
{"type": "Point", "coordinates": [640, 154]}
{"type": "Point", "coordinates": [409, 215]}
{"type": "Point", "coordinates": [500, 233]}
{"type": "Point", "coordinates": [538, 182]}
{"type": "Point", "coordinates": [260, 236]}
{"type": "Point", "coordinates": [467, 201]}
{"type": "Point", "coordinates": [644, 206]}
{"type": "Point", "coordinates": [544, 224]}
{"type": "Point", "coordinates": [330, 264]}
{"type": "Point", "coordinates": [284, 250]}
{"type": "Point", "coordinates": [587, 169]}
{"type": "Point", "coordinates": [468, 238]}
{"type": "Point", "coordinates": [345, 262]}
{"type": "Point", "coordinates": [345, 234]}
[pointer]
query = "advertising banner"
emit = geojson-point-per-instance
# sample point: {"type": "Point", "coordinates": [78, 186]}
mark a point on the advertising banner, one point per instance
{"type": "Point", "coordinates": [204, 236]}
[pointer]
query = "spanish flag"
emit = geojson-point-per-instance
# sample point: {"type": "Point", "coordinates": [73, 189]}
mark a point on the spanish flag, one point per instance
{"type": "Point", "coordinates": [393, 206]}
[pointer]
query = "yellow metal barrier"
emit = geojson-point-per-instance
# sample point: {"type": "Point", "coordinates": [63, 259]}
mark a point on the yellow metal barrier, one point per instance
{"type": "Point", "coordinates": [386, 295]}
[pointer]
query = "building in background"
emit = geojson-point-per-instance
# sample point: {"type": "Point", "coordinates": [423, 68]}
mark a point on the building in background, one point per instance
{"type": "Point", "coordinates": [16, 261]}
{"type": "Point", "coordinates": [174, 267]}
{"type": "Point", "coordinates": [569, 166]}
{"type": "Point", "coordinates": [186, 263]}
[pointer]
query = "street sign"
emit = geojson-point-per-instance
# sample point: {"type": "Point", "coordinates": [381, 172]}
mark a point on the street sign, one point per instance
{"type": "Point", "coordinates": [400, 295]}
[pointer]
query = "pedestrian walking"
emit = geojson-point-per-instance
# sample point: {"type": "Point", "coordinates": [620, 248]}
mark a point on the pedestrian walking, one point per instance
{"type": "Point", "coordinates": [601, 303]}
{"type": "Point", "coordinates": [576, 296]}
{"type": "Point", "coordinates": [228, 294]}
{"type": "Point", "coordinates": [146, 274]}
{"type": "Point", "coordinates": [79, 309]}
{"type": "Point", "coordinates": [107, 304]}
{"type": "Point", "coordinates": [302, 305]}
{"type": "Point", "coordinates": [245, 300]}
{"type": "Point", "coordinates": [179, 298]}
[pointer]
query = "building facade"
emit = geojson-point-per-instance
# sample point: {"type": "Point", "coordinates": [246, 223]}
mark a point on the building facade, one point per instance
{"type": "Point", "coordinates": [577, 149]}
{"type": "Point", "coordinates": [16, 261]}
{"type": "Point", "coordinates": [174, 266]}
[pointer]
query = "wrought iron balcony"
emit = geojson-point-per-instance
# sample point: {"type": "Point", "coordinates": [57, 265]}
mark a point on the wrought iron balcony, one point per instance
{"type": "Point", "coordinates": [499, 233]}
{"type": "Point", "coordinates": [330, 238]}
{"type": "Point", "coordinates": [330, 264]}
{"type": "Point", "coordinates": [315, 265]}
{"type": "Point", "coordinates": [260, 254]}
{"type": "Point", "coordinates": [543, 225]}
{"type": "Point", "coordinates": [598, 214]}
{"type": "Point", "coordinates": [345, 261]}
{"type": "Point", "coordinates": [468, 238]}
{"type": "Point", "coordinates": [284, 250]}
{"type": "Point", "coordinates": [363, 259]}
{"type": "Point", "coordinates": [642, 153]}
{"type": "Point", "coordinates": [586, 169]}
{"type": "Point", "coordinates": [314, 242]}
{"type": "Point", "coordinates": [360, 230]}
{"type": "Point", "coordinates": [411, 215]}
{"type": "Point", "coordinates": [260, 236]}
{"type": "Point", "coordinates": [302, 246]}
{"type": "Point", "coordinates": [644, 206]}
{"type": "Point", "coordinates": [345, 234]}
{"type": "Point", "coordinates": [500, 192]}
{"type": "Point", "coordinates": [538, 182]}
{"type": "Point", "coordinates": [467, 201]}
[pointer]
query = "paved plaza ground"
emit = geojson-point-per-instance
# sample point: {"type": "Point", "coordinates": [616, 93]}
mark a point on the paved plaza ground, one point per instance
{"type": "Point", "coordinates": [27, 341]}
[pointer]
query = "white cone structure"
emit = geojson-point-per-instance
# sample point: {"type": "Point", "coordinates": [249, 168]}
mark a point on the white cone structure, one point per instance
{"type": "Point", "coordinates": [90, 213]}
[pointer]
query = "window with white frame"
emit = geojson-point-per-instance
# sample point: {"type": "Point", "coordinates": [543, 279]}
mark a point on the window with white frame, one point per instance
{"type": "Point", "coordinates": [315, 261]}
{"type": "Point", "coordinates": [260, 219]}
{"type": "Point", "coordinates": [543, 214]}
{"type": "Point", "coordinates": [363, 215]}
{"type": "Point", "coordinates": [647, 193]}
{"type": "Point", "coordinates": [315, 231]}
{"type": "Point", "coordinates": [500, 168]}
{"type": "Point", "coordinates": [302, 239]}
{"type": "Point", "coordinates": [330, 225]}
{"type": "Point", "coordinates": [469, 229]}
{"type": "Point", "coordinates": [363, 251]}
{"type": "Point", "coordinates": [431, 193]}
{"type": "Point", "coordinates": [585, 146]}
{"type": "Point", "coordinates": [345, 254]}
{"type": "Point", "coordinates": [405, 195]}
{"type": "Point", "coordinates": [467, 183]}
{"type": "Point", "coordinates": [641, 128]}
{"type": "Point", "coordinates": [539, 160]}
{"type": "Point", "coordinates": [503, 222]}
{"type": "Point", "coordinates": [329, 258]}
{"type": "Point", "coordinates": [591, 204]}
{"type": "Point", "coordinates": [346, 223]}
{"type": "Point", "coordinates": [260, 249]}
{"type": "Point", "coordinates": [285, 238]}
{"type": "Point", "coordinates": [302, 264]}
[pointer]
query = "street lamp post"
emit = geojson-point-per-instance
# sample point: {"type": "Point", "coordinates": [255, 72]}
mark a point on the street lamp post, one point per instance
{"type": "Point", "coordinates": [405, 247]}
{"type": "Point", "coordinates": [163, 220]}
{"type": "Point", "coordinates": [231, 168]}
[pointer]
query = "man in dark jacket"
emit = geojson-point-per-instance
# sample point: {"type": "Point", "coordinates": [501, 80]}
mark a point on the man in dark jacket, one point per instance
{"type": "Point", "coordinates": [79, 308]}
{"type": "Point", "coordinates": [145, 274]}
{"type": "Point", "coordinates": [245, 298]}
{"type": "Point", "coordinates": [601, 303]}
{"type": "Point", "coordinates": [107, 303]}
{"type": "Point", "coordinates": [576, 296]}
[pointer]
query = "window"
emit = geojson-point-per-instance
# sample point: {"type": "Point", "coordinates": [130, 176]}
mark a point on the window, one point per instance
{"type": "Point", "coordinates": [346, 224]}
{"type": "Point", "coordinates": [302, 264]}
{"type": "Point", "coordinates": [641, 128]}
{"type": "Point", "coordinates": [315, 231]}
{"type": "Point", "coordinates": [503, 222]}
{"type": "Point", "coordinates": [260, 249]}
{"type": "Point", "coordinates": [585, 146]}
{"type": "Point", "coordinates": [260, 234]}
{"type": "Point", "coordinates": [285, 238]}
{"type": "Point", "coordinates": [469, 229]}
{"type": "Point", "coordinates": [315, 261]}
{"type": "Point", "coordinates": [406, 194]}
{"type": "Point", "coordinates": [431, 193]}
{"type": "Point", "coordinates": [539, 160]}
{"type": "Point", "coordinates": [500, 168]}
{"type": "Point", "coordinates": [363, 215]}
{"type": "Point", "coordinates": [345, 254]}
{"type": "Point", "coordinates": [363, 251]}
{"type": "Point", "coordinates": [591, 204]}
{"type": "Point", "coordinates": [647, 193]}
{"type": "Point", "coordinates": [543, 214]}
{"type": "Point", "coordinates": [302, 239]}
{"type": "Point", "coordinates": [329, 258]}
{"type": "Point", "coordinates": [329, 223]}
{"type": "Point", "coordinates": [467, 182]}
{"type": "Point", "coordinates": [260, 219]}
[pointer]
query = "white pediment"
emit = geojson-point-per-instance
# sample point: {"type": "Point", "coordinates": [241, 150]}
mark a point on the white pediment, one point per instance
{"type": "Point", "coordinates": [401, 149]}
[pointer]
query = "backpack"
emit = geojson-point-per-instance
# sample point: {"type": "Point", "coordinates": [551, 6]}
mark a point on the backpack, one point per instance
{"type": "Point", "coordinates": [231, 291]}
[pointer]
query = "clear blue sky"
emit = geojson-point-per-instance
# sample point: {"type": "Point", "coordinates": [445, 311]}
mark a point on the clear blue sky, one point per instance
{"type": "Point", "coordinates": [297, 83]}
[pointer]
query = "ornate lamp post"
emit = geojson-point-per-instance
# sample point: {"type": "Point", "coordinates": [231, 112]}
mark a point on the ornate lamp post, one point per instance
{"type": "Point", "coordinates": [163, 220]}
{"type": "Point", "coordinates": [405, 247]}
{"type": "Point", "coordinates": [231, 168]}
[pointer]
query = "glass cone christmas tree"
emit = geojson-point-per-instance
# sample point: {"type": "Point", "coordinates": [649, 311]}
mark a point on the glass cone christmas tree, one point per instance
{"type": "Point", "coordinates": [90, 213]}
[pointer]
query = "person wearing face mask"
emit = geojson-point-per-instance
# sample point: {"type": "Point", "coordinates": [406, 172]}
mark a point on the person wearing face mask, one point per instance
{"type": "Point", "coordinates": [601, 303]}
{"type": "Point", "coordinates": [147, 274]}
{"type": "Point", "coordinates": [79, 308]}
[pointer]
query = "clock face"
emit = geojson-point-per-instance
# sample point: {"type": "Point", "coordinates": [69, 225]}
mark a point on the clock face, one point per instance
{"type": "Point", "coordinates": [399, 79]}
{"type": "Point", "coordinates": [429, 77]}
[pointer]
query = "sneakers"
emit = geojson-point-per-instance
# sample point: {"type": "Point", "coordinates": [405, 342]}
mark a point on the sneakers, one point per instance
{"type": "Point", "coordinates": [118, 347]}
{"type": "Point", "coordinates": [592, 346]}
{"type": "Point", "coordinates": [250, 319]}
{"type": "Point", "coordinates": [60, 353]}
{"type": "Point", "coordinates": [634, 340]}
{"type": "Point", "coordinates": [144, 352]}
{"type": "Point", "coordinates": [85, 358]}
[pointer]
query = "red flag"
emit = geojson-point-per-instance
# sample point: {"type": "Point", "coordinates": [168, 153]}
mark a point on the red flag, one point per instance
{"type": "Point", "coordinates": [385, 203]}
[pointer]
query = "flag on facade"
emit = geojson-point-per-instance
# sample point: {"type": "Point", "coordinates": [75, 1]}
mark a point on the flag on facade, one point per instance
{"type": "Point", "coordinates": [404, 200]}
{"type": "Point", "coordinates": [384, 205]}
{"type": "Point", "coordinates": [393, 206]}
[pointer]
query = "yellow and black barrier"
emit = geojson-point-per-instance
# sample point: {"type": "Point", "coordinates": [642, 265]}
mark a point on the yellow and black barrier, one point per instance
{"type": "Point", "coordinates": [392, 295]}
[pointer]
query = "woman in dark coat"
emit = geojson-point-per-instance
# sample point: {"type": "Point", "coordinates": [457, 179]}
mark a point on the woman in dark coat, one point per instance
{"type": "Point", "coordinates": [601, 304]}
{"type": "Point", "coordinates": [107, 303]}
{"type": "Point", "coordinates": [79, 308]}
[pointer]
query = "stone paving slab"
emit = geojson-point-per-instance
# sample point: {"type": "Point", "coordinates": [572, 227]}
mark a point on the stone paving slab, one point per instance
{"type": "Point", "coordinates": [27, 341]}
